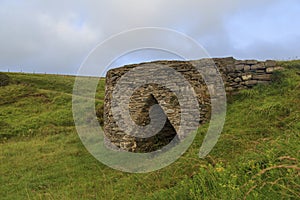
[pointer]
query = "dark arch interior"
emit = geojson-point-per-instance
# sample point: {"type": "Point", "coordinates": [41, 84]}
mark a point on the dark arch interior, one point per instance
{"type": "Point", "coordinates": [162, 138]}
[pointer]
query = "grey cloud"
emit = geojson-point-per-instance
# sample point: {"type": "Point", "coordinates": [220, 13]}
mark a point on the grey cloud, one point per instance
{"type": "Point", "coordinates": [55, 36]}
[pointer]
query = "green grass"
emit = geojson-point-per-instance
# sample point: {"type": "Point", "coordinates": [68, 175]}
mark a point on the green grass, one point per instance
{"type": "Point", "coordinates": [256, 157]}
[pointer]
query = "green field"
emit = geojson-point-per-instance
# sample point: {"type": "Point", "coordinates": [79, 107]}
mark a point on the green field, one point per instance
{"type": "Point", "coordinates": [256, 157]}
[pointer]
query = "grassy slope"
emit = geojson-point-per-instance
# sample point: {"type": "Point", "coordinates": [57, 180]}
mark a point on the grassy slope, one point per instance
{"type": "Point", "coordinates": [257, 156]}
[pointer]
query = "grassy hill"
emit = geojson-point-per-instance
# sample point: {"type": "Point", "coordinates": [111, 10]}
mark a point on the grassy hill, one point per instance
{"type": "Point", "coordinates": [257, 155]}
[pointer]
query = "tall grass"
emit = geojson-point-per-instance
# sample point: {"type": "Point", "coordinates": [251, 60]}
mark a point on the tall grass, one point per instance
{"type": "Point", "coordinates": [256, 157]}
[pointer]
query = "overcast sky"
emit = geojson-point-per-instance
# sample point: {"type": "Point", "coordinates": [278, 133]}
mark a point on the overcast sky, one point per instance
{"type": "Point", "coordinates": [56, 36]}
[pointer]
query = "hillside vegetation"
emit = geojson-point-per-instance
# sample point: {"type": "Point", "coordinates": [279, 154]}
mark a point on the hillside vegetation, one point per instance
{"type": "Point", "coordinates": [256, 157]}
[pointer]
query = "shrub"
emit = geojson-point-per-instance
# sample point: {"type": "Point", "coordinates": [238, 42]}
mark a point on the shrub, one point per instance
{"type": "Point", "coordinates": [278, 77]}
{"type": "Point", "coordinates": [99, 114]}
{"type": "Point", "coordinates": [4, 79]}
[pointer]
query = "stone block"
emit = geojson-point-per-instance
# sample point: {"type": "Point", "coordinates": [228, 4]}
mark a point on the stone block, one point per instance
{"type": "Point", "coordinates": [237, 80]}
{"type": "Point", "coordinates": [239, 67]}
{"type": "Point", "coordinates": [270, 63]}
{"type": "Point", "coordinates": [247, 77]}
{"type": "Point", "coordinates": [251, 62]}
{"type": "Point", "coordinates": [272, 69]}
{"type": "Point", "coordinates": [247, 68]}
{"type": "Point", "coordinates": [251, 82]}
{"type": "Point", "coordinates": [258, 66]}
{"type": "Point", "coordinates": [262, 77]}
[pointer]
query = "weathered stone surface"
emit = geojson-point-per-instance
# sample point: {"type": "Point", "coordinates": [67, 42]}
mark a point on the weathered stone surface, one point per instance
{"type": "Point", "coordinates": [247, 77]}
{"type": "Point", "coordinates": [238, 80]}
{"type": "Point", "coordinates": [251, 62]}
{"type": "Point", "coordinates": [263, 77]}
{"type": "Point", "coordinates": [270, 63]}
{"type": "Point", "coordinates": [258, 66]}
{"type": "Point", "coordinates": [240, 62]}
{"type": "Point", "coordinates": [239, 67]}
{"type": "Point", "coordinates": [229, 89]}
{"type": "Point", "coordinates": [272, 69]}
{"type": "Point", "coordinates": [260, 71]}
{"type": "Point", "coordinates": [247, 68]}
{"type": "Point", "coordinates": [251, 82]}
{"type": "Point", "coordinates": [236, 75]}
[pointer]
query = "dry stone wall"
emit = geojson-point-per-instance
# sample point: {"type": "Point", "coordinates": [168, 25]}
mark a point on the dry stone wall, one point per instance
{"type": "Point", "coordinates": [236, 75]}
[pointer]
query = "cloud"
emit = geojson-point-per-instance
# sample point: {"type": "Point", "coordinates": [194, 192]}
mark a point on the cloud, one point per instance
{"type": "Point", "coordinates": [42, 41]}
{"type": "Point", "coordinates": [55, 37]}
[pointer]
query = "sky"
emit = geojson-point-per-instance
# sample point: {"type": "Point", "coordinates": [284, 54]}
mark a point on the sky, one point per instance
{"type": "Point", "coordinates": [56, 36]}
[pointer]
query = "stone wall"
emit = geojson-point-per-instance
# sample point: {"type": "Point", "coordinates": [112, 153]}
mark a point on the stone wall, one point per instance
{"type": "Point", "coordinates": [236, 75]}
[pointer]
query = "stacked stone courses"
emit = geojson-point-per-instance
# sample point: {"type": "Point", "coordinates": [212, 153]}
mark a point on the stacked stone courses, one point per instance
{"type": "Point", "coordinates": [236, 75]}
